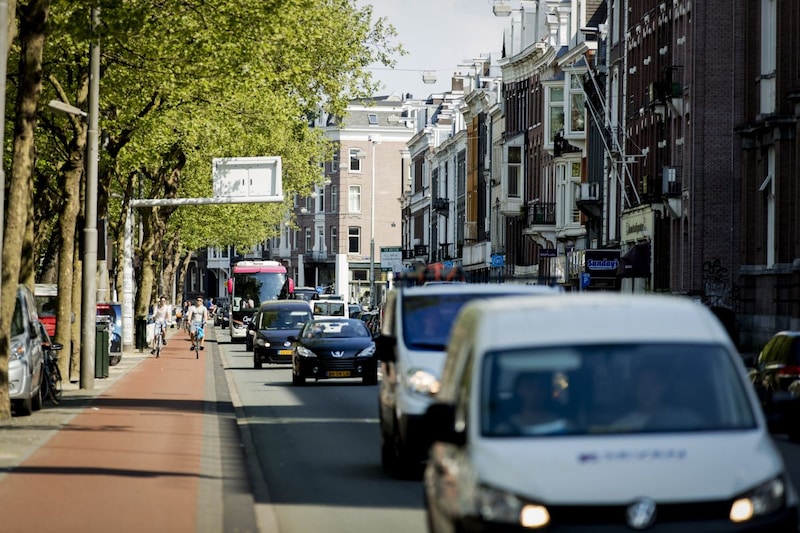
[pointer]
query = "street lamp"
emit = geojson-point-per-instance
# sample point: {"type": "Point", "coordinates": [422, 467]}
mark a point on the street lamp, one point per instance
{"type": "Point", "coordinates": [89, 272]}
{"type": "Point", "coordinates": [374, 141]}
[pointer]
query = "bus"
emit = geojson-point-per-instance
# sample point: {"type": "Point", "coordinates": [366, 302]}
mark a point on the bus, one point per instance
{"type": "Point", "coordinates": [252, 283]}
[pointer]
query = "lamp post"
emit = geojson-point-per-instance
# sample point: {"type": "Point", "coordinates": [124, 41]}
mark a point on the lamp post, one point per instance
{"type": "Point", "coordinates": [89, 271]}
{"type": "Point", "coordinates": [372, 301]}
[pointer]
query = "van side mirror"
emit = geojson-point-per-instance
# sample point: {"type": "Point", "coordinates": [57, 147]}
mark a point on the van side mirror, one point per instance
{"type": "Point", "coordinates": [438, 424]}
{"type": "Point", "coordinates": [56, 346]}
{"type": "Point", "coordinates": [384, 348]}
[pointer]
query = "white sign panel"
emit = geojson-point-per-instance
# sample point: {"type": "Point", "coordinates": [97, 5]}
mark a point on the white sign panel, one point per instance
{"type": "Point", "coordinates": [247, 176]}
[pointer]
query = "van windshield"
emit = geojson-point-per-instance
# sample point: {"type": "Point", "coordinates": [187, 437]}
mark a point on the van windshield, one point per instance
{"type": "Point", "coordinates": [17, 321]}
{"type": "Point", "coordinates": [612, 389]}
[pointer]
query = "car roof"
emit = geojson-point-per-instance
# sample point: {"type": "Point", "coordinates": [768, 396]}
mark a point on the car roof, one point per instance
{"type": "Point", "coordinates": [284, 303]}
{"type": "Point", "coordinates": [592, 318]}
{"type": "Point", "coordinates": [478, 288]}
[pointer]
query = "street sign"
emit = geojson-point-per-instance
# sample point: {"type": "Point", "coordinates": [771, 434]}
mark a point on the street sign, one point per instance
{"type": "Point", "coordinates": [548, 252]}
{"type": "Point", "coordinates": [392, 258]}
{"type": "Point", "coordinates": [586, 279]}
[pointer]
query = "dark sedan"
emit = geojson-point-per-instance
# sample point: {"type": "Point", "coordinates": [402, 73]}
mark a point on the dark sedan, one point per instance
{"type": "Point", "coordinates": [275, 323]}
{"type": "Point", "coordinates": [776, 377]}
{"type": "Point", "coordinates": [334, 348]}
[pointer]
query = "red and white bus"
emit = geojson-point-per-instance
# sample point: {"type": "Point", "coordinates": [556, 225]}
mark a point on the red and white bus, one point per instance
{"type": "Point", "coordinates": [252, 283]}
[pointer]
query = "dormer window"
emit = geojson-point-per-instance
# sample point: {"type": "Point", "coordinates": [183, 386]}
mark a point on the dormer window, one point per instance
{"type": "Point", "coordinates": [373, 119]}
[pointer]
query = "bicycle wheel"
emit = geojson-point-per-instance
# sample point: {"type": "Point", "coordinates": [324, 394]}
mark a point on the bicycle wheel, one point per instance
{"type": "Point", "coordinates": [159, 342]}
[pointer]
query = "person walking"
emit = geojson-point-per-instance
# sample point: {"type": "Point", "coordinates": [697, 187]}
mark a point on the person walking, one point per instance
{"type": "Point", "coordinates": [161, 313]}
{"type": "Point", "coordinates": [198, 316]}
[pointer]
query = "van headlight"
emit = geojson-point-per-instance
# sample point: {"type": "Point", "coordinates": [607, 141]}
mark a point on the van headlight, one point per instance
{"type": "Point", "coordinates": [422, 382]}
{"type": "Point", "coordinates": [17, 352]}
{"type": "Point", "coordinates": [495, 505]}
{"type": "Point", "coordinates": [762, 500]}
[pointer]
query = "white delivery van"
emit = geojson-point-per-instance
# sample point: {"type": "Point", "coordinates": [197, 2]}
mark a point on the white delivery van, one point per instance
{"type": "Point", "coordinates": [600, 412]}
{"type": "Point", "coordinates": [414, 332]}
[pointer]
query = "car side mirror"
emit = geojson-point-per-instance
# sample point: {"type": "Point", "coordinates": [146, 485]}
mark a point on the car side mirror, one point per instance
{"type": "Point", "coordinates": [438, 424]}
{"type": "Point", "coordinates": [384, 347]}
{"type": "Point", "coordinates": [56, 346]}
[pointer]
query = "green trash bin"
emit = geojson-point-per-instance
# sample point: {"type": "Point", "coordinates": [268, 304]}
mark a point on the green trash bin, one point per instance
{"type": "Point", "coordinates": [101, 348]}
{"type": "Point", "coordinates": [141, 332]}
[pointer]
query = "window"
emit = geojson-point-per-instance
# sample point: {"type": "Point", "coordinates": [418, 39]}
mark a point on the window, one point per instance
{"type": "Point", "coordinates": [576, 188]}
{"type": "Point", "coordinates": [334, 198]}
{"type": "Point", "coordinates": [555, 112]}
{"type": "Point", "coordinates": [577, 122]}
{"type": "Point", "coordinates": [354, 200]}
{"type": "Point", "coordinates": [373, 119]}
{"type": "Point", "coordinates": [335, 162]}
{"type": "Point", "coordinates": [308, 239]}
{"type": "Point", "coordinates": [353, 239]}
{"type": "Point", "coordinates": [355, 160]}
{"type": "Point", "coordinates": [514, 170]}
{"type": "Point", "coordinates": [334, 241]}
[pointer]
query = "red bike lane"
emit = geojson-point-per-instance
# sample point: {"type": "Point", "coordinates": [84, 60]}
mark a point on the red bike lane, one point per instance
{"type": "Point", "coordinates": [130, 461]}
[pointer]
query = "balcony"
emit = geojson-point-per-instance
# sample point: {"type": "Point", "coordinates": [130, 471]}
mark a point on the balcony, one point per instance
{"type": "Point", "coordinates": [541, 214]}
{"type": "Point", "coordinates": [590, 201]}
{"type": "Point", "coordinates": [441, 205]}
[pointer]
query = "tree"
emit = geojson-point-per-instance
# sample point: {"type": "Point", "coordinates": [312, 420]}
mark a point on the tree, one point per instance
{"type": "Point", "coordinates": [183, 81]}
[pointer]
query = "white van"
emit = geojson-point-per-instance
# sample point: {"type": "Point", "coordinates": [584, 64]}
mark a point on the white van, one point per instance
{"type": "Point", "coordinates": [636, 413]}
{"type": "Point", "coordinates": [414, 331]}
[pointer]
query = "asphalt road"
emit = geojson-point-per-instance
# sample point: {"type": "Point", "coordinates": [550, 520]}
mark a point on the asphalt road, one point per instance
{"type": "Point", "coordinates": [318, 450]}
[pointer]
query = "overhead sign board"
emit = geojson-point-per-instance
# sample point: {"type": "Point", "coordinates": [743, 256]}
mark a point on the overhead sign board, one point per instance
{"type": "Point", "coordinates": [247, 176]}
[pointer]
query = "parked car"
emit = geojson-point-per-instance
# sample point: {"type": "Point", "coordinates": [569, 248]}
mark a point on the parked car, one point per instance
{"type": "Point", "coordinates": [271, 328]}
{"type": "Point", "coordinates": [354, 310]}
{"type": "Point", "coordinates": [26, 358]}
{"type": "Point", "coordinates": [114, 313]}
{"type": "Point", "coordinates": [411, 345]}
{"type": "Point", "coordinates": [645, 421]}
{"type": "Point", "coordinates": [776, 378]}
{"type": "Point", "coordinates": [334, 348]}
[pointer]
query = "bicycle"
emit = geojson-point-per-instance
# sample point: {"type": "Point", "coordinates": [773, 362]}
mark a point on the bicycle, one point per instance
{"type": "Point", "coordinates": [52, 375]}
{"type": "Point", "coordinates": [158, 340]}
{"type": "Point", "coordinates": [199, 333]}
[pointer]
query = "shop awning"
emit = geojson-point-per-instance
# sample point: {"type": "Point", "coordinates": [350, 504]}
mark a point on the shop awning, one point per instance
{"type": "Point", "coordinates": [635, 263]}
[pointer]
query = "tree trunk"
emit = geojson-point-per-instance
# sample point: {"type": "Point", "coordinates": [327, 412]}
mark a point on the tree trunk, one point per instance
{"type": "Point", "coordinates": [74, 351]}
{"type": "Point", "coordinates": [32, 25]}
{"type": "Point", "coordinates": [71, 184]}
{"type": "Point", "coordinates": [182, 276]}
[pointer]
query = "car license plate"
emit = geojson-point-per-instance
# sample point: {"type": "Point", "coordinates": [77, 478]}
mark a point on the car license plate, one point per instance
{"type": "Point", "coordinates": [339, 374]}
{"type": "Point", "coordinates": [284, 352]}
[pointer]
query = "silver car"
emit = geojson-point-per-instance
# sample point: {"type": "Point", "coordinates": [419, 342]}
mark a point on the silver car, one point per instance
{"type": "Point", "coordinates": [26, 359]}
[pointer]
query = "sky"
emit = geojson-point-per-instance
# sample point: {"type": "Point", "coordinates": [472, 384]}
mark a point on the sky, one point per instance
{"type": "Point", "coordinates": [438, 35]}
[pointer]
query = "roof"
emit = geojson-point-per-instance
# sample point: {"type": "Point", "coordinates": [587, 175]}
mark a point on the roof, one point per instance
{"type": "Point", "coordinates": [595, 318]}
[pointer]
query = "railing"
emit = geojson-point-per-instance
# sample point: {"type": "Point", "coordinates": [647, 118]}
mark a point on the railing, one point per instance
{"type": "Point", "coordinates": [541, 213]}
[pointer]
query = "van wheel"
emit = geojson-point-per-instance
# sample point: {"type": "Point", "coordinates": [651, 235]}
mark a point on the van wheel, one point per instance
{"type": "Point", "coordinates": [25, 407]}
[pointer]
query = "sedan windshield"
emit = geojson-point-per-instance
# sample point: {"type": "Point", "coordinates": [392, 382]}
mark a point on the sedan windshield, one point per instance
{"type": "Point", "coordinates": [612, 389]}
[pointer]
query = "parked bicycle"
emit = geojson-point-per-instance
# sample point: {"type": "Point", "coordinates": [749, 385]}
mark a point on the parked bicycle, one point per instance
{"type": "Point", "coordinates": [51, 381]}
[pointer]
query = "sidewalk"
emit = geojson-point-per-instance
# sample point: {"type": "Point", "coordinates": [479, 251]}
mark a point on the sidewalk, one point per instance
{"type": "Point", "coordinates": [139, 452]}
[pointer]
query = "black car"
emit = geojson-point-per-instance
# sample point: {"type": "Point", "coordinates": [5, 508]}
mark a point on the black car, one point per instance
{"type": "Point", "coordinates": [271, 328]}
{"type": "Point", "coordinates": [334, 348]}
{"type": "Point", "coordinates": [776, 378]}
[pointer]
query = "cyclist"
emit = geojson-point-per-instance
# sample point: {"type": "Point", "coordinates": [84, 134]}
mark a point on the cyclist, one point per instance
{"type": "Point", "coordinates": [161, 313]}
{"type": "Point", "coordinates": [198, 316]}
